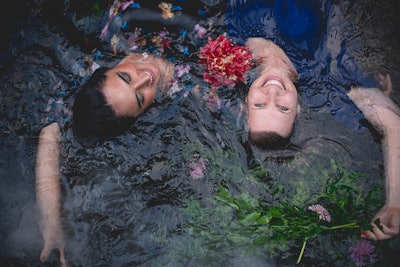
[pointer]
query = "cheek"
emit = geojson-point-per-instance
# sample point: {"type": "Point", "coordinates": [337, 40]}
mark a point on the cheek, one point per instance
{"type": "Point", "coordinates": [128, 108]}
{"type": "Point", "coordinates": [291, 100]}
{"type": "Point", "coordinates": [149, 96]}
{"type": "Point", "coordinates": [255, 95]}
{"type": "Point", "coordinates": [125, 105]}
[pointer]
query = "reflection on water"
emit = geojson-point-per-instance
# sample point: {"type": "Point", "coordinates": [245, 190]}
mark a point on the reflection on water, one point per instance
{"type": "Point", "coordinates": [126, 202]}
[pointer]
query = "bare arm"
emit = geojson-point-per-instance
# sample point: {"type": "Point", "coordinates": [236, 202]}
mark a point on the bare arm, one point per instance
{"type": "Point", "coordinates": [384, 115]}
{"type": "Point", "coordinates": [389, 215]}
{"type": "Point", "coordinates": [48, 192]}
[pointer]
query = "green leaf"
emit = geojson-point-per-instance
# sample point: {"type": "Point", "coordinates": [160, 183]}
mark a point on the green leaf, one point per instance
{"type": "Point", "coordinates": [274, 212]}
{"type": "Point", "coordinates": [224, 196]}
{"type": "Point", "coordinates": [264, 219]}
{"type": "Point", "coordinates": [251, 218]}
{"type": "Point", "coordinates": [262, 240]}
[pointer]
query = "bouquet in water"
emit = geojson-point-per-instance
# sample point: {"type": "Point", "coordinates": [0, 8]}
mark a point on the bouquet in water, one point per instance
{"type": "Point", "coordinates": [224, 63]}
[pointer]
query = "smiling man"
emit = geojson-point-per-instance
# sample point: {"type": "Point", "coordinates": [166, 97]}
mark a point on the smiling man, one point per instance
{"type": "Point", "coordinates": [272, 98]}
{"type": "Point", "coordinates": [272, 109]}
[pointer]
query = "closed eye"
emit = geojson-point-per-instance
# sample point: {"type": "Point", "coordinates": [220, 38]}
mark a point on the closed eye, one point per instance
{"type": "Point", "coordinates": [259, 105]}
{"type": "Point", "coordinates": [125, 77]}
{"type": "Point", "coordinates": [140, 100]}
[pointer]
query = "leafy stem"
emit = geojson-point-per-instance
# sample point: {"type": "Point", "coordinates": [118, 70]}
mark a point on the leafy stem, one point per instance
{"type": "Point", "coordinates": [302, 251]}
{"type": "Point", "coordinates": [345, 226]}
{"type": "Point", "coordinates": [336, 227]}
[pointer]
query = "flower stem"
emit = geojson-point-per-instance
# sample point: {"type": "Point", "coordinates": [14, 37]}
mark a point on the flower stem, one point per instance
{"type": "Point", "coordinates": [302, 251]}
{"type": "Point", "coordinates": [347, 225]}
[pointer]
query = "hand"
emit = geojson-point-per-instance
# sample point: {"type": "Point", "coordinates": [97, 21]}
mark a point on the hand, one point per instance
{"type": "Point", "coordinates": [53, 239]}
{"type": "Point", "coordinates": [385, 81]}
{"type": "Point", "coordinates": [389, 224]}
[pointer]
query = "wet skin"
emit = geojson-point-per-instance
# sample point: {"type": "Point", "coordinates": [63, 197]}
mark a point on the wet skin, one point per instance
{"type": "Point", "coordinates": [131, 86]}
{"type": "Point", "coordinates": [129, 89]}
{"type": "Point", "coordinates": [272, 98]}
{"type": "Point", "coordinates": [272, 103]}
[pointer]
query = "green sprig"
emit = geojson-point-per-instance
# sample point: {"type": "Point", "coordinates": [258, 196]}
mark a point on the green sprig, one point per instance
{"type": "Point", "coordinates": [241, 219]}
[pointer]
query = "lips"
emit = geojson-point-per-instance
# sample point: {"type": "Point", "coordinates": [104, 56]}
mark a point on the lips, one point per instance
{"type": "Point", "coordinates": [274, 81]}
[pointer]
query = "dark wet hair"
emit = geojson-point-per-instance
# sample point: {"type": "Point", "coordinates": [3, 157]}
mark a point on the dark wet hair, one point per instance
{"type": "Point", "coordinates": [92, 116]}
{"type": "Point", "coordinates": [269, 140]}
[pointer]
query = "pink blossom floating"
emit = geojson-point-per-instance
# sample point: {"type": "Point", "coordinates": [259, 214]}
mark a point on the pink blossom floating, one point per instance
{"type": "Point", "coordinates": [362, 253]}
{"type": "Point", "coordinates": [125, 5]}
{"type": "Point", "coordinates": [112, 12]}
{"type": "Point", "coordinates": [181, 70]}
{"type": "Point", "coordinates": [197, 168]}
{"type": "Point", "coordinates": [201, 31]}
{"type": "Point", "coordinates": [321, 211]}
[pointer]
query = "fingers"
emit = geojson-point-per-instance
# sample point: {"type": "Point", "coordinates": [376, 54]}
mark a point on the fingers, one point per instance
{"type": "Point", "coordinates": [392, 231]}
{"type": "Point", "coordinates": [44, 255]}
{"type": "Point", "coordinates": [380, 233]}
{"type": "Point", "coordinates": [62, 259]}
{"type": "Point", "coordinates": [369, 235]}
{"type": "Point", "coordinates": [385, 81]}
{"type": "Point", "coordinates": [388, 85]}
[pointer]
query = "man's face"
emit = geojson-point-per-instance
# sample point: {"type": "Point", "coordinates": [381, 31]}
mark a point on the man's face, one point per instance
{"type": "Point", "coordinates": [272, 98]}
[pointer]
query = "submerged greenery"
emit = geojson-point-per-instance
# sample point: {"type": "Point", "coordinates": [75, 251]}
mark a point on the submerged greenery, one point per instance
{"type": "Point", "coordinates": [319, 230]}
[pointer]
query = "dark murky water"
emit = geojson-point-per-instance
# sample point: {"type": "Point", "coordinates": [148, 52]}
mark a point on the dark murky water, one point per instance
{"type": "Point", "coordinates": [124, 202]}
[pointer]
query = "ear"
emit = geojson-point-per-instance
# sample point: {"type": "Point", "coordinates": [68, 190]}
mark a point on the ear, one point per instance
{"type": "Point", "coordinates": [298, 109]}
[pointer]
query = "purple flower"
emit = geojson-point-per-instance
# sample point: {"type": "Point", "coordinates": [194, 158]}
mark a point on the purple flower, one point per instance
{"type": "Point", "coordinates": [362, 253]}
{"type": "Point", "coordinates": [321, 211]}
{"type": "Point", "coordinates": [201, 31]}
{"type": "Point", "coordinates": [197, 168]}
{"type": "Point", "coordinates": [125, 5]}
{"type": "Point", "coordinates": [182, 70]}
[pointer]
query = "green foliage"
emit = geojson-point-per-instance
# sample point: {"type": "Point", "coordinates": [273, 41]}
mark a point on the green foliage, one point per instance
{"type": "Point", "coordinates": [240, 219]}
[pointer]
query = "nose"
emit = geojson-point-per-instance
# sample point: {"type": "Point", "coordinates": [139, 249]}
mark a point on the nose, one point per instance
{"type": "Point", "coordinates": [141, 79]}
{"type": "Point", "coordinates": [272, 91]}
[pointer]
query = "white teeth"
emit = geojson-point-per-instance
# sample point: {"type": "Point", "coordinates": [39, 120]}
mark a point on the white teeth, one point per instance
{"type": "Point", "coordinates": [274, 82]}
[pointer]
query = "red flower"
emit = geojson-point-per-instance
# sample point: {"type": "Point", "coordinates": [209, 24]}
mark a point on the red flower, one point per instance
{"type": "Point", "coordinates": [224, 62]}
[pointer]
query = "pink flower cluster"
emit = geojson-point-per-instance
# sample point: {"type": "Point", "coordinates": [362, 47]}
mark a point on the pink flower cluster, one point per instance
{"type": "Point", "coordinates": [362, 253]}
{"type": "Point", "coordinates": [201, 31]}
{"type": "Point", "coordinates": [112, 12]}
{"type": "Point", "coordinates": [224, 62]}
{"type": "Point", "coordinates": [321, 211]}
{"type": "Point", "coordinates": [197, 168]}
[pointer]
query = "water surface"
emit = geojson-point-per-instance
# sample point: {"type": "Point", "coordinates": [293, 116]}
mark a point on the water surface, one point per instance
{"type": "Point", "coordinates": [125, 203]}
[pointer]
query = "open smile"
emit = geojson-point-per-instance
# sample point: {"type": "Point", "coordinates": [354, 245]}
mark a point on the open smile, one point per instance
{"type": "Point", "coordinates": [150, 74]}
{"type": "Point", "coordinates": [274, 81]}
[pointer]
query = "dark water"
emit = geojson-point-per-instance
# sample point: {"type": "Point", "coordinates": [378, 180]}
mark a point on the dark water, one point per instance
{"type": "Point", "coordinates": [125, 203]}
